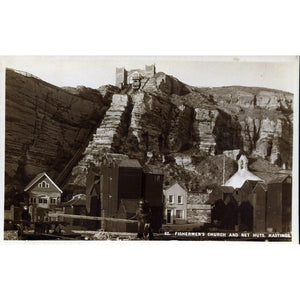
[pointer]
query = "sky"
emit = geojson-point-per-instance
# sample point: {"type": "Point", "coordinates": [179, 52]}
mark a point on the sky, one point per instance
{"type": "Point", "coordinates": [277, 72]}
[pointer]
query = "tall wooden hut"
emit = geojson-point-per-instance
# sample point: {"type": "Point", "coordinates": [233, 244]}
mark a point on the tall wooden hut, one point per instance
{"type": "Point", "coordinates": [259, 202]}
{"type": "Point", "coordinates": [152, 191]}
{"type": "Point", "coordinates": [279, 204]}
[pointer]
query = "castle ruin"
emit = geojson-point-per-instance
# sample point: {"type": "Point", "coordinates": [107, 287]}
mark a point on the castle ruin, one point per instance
{"type": "Point", "coordinates": [124, 77]}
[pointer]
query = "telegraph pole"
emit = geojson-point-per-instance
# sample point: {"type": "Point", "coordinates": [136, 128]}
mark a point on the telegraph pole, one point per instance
{"type": "Point", "coordinates": [223, 169]}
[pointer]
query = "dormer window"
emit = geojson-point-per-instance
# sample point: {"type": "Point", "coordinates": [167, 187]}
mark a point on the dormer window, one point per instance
{"type": "Point", "coordinates": [43, 184]}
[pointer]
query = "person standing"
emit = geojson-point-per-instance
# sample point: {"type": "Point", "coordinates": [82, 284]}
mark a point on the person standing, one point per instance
{"type": "Point", "coordinates": [26, 218]}
{"type": "Point", "coordinates": [143, 214]}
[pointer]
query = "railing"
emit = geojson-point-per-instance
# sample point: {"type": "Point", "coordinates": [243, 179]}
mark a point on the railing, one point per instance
{"type": "Point", "coordinates": [83, 217]}
{"type": "Point", "coordinates": [145, 83]}
{"type": "Point", "coordinates": [67, 169]}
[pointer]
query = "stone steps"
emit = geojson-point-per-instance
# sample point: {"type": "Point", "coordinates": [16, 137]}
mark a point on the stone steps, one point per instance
{"type": "Point", "coordinates": [106, 133]}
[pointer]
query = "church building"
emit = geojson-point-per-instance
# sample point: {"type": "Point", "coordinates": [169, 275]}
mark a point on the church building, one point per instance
{"type": "Point", "coordinates": [242, 175]}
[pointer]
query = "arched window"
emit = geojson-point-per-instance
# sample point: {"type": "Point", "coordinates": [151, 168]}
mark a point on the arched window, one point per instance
{"type": "Point", "coordinates": [43, 184]}
{"type": "Point", "coordinates": [242, 164]}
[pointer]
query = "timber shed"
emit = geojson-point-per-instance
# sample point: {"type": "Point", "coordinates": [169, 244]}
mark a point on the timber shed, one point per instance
{"type": "Point", "coordinates": [118, 179]}
{"type": "Point", "coordinates": [279, 204]}
{"type": "Point", "coordinates": [259, 202]}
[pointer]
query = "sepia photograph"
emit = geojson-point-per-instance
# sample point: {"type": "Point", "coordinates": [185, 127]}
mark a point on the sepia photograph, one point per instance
{"type": "Point", "coordinates": [149, 148]}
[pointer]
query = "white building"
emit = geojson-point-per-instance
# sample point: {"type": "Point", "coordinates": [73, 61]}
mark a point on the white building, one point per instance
{"type": "Point", "coordinates": [175, 204]}
{"type": "Point", "coordinates": [242, 175]}
{"type": "Point", "coordinates": [43, 192]}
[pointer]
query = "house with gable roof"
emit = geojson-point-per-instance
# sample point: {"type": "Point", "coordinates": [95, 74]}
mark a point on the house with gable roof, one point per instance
{"type": "Point", "coordinates": [175, 204]}
{"type": "Point", "coordinates": [43, 192]}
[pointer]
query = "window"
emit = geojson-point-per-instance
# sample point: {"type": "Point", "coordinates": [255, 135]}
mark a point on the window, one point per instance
{"type": "Point", "coordinates": [179, 214]}
{"type": "Point", "coordinates": [45, 201]}
{"type": "Point", "coordinates": [40, 200]}
{"type": "Point", "coordinates": [180, 200]}
{"type": "Point", "coordinates": [43, 184]}
{"type": "Point", "coordinates": [34, 200]}
{"type": "Point", "coordinates": [171, 198]}
{"type": "Point", "coordinates": [52, 200]}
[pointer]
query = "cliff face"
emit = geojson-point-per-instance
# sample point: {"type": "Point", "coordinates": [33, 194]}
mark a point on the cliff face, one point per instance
{"type": "Point", "coordinates": [216, 131]}
{"type": "Point", "coordinates": [46, 125]}
{"type": "Point", "coordinates": [250, 97]}
{"type": "Point", "coordinates": [264, 117]}
{"type": "Point", "coordinates": [182, 129]}
{"type": "Point", "coordinates": [270, 139]}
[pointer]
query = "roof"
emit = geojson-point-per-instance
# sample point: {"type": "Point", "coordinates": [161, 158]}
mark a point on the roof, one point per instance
{"type": "Point", "coordinates": [264, 186]}
{"type": "Point", "coordinates": [37, 178]}
{"type": "Point", "coordinates": [116, 158]}
{"type": "Point", "coordinates": [95, 184]}
{"type": "Point", "coordinates": [130, 163]}
{"type": "Point", "coordinates": [34, 180]}
{"type": "Point", "coordinates": [252, 183]}
{"type": "Point", "coordinates": [169, 187]}
{"type": "Point", "coordinates": [151, 169]}
{"type": "Point", "coordinates": [279, 179]}
{"type": "Point", "coordinates": [266, 176]}
{"type": "Point", "coordinates": [213, 200]}
{"type": "Point", "coordinates": [227, 189]}
{"type": "Point", "coordinates": [240, 177]}
{"type": "Point", "coordinates": [77, 200]}
{"type": "Point", "coordinates": [270, 177]}
{"type": "Point", "coordinates": [130, 205]}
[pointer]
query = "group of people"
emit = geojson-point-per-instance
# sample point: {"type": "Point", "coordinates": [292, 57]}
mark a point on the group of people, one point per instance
{"type": "Point", "coordinates": [40, 225]}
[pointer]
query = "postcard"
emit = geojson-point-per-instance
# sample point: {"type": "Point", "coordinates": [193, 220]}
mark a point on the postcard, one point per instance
{"type": "Point", "coordinates": [151, 148]}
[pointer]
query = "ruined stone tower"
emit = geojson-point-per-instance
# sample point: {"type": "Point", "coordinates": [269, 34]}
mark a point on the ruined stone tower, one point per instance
{"type": "Point", "coordinates": [121, 77]}
{"type": "Point", "coordinates": [124, 77]}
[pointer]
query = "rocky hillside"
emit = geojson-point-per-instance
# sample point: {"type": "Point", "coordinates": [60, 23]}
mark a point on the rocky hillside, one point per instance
{"type": "Point", "coordinates": [185, 130]}
{"type": "Point", "coordinates": [265, 117]}
{"type": "Point", "coordinates": [182, 129]}
{"type": "Point", "coordinates": [47, 125]}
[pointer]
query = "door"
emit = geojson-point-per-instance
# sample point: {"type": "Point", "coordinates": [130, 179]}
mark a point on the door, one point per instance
{"type": "Point", "coordinates": [168, 216]}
